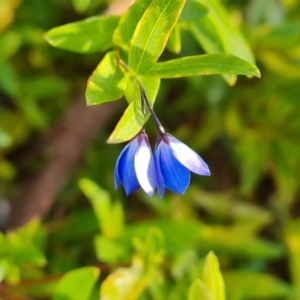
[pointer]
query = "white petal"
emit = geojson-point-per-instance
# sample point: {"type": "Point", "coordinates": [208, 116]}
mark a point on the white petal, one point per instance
{"type": "Point", "coordinates": [145, 168]}
{"type": "Point", "coordinates": [187, 157]}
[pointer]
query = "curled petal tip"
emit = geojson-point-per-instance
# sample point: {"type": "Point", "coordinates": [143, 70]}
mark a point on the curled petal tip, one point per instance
{"type": "Point", "coordinates": [150, 193]}
{"type": "Point", "coordinates": [188, 157]}
{"type": "Point", "coordinates": [207, 173]}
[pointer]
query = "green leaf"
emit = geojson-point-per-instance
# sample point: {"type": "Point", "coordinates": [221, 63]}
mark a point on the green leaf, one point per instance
{"type": "Point", "coordinates": [250, 285]}
{"type": "Point", "coordinates": [192, 11]}
{"type": "Point", "coordinates": [230, 36]}
{"type": "Point", "coordinates": [150, 247]}
{"type": "Point", "coordinates": [10, 42]}
{"type": "Point", "coordinates": [129, 125]}
{"type": "Point", "coordinates": [129, 283]}
{"type": "Point", "coordinates": [81, 5]}
{"type": "Point", "coordinates": [151, 86]}
{"type": "Point", "coordinates": [25, 243]}
{"type": "Point", "coordinates": [216, 34]}
{"type": "Point", "coordinates": [292, 241]}
{"type": "Point", "coordinates": [152, 32]}
{"type": "Point", "coordinates": [132, 120]}
{"type": "Point", "coordinates": [212, 277]}
{"type": "Point", "coordinates": [8, 79]}
{"type": "Point", "coordinates": [77, 284]}
{"type": "Point", "coordinates": [272, 38]}
{"type": "Point", "coordinates": [86, 36]}
{"type": "Point", "coordinates": [208, 64]}
{"type": "Point", "coordinates": [108, 250]}
{"type": "Point", "coordinates": [174, 41]}
{"type": "Point", "coordinates": [128, 22]}
{"type": "Point", "coordinates": [110, 216]}
{"type": "Point", "coordinates": [207, 35]}
{"type": "Point", "coordinates": [198, 291]}
{"type": "Point", "coordinates": [107, 83]}
{"type": "Point", "coordinates": [111, 289]}
{"type": "Point", "coordinates": [239, 243]}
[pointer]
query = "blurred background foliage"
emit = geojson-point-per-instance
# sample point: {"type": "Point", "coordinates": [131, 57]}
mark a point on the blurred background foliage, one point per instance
{"type": "Point", "coordinates": [247, 212]}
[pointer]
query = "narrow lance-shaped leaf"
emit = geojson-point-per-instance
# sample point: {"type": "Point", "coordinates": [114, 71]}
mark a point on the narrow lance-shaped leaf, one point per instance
{"type": "Point", "coordinates": [152, 32]}
{"type": "Point", "coordinates": [232, 39]}
{"type": "Point", "coordinates": [216, 34]}
{"type": "Point", "coordinates": [133, 119]}
{"type": "Point", "coordinates": [198, 290]}
{"type": "Point", "coordinates": [212, 277]}
{"type": "Point", "coordinates": [107, 83]}
{"type": "Point", "coordinates": [128, 23]}
{"type": "Point", "coordinates": [207, 36]}
{"type": "Point", "coordinates": [292, 241]}
{"type": "Point", "coordinates": [209, 64]}
{"type": "Point", "coordinates": [174, 41]}
{"type": "Point", "coordinates": [86, 36]}
{"type": "Point", "coordinates": [192, 11]}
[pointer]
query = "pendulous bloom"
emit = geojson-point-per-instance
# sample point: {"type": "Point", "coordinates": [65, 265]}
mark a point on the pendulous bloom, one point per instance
{"type": "Point", "coordinates": [174, 160]}
{"type": "Point", "coordinates": [135, 166]}
{"type": "Point", "coordinates": [170, 167]}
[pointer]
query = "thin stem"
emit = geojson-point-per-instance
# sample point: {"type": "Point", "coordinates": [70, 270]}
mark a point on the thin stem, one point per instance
{"type": "Point", "coordinates": [153, 114]}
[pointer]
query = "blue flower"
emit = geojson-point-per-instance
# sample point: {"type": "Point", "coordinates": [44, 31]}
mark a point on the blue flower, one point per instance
{"type": "Point", "coordinates": [135, 166]}
{"type": "Point", "coordinates": [174, 160]}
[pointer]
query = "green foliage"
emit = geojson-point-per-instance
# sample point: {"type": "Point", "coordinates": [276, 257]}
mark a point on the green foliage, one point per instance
{"type": "Point", "coordinates": [247, 213]}
{"type": "Point", "coordinates": [152, 32]}
{"type": "Point", "coordinates": [81, 5]}
{"type": "Point", "coordinates": [143, 33]}
{"type": "Point", "coordinates": [212, 277]}
{"type": "Point", "coordinates": [107, 83]}
{"type": "Point", "coordinates": [21, 248]}
{"type": "Point", "coordinates": [216, 34]}
{"type": "Point", "coordinates": [77, 284]}
{"type": "Point", "coordinates": [128, 23]}
{"type": "Point", "coordinates": [132, 120]}
{"type": "Point", "coordinates": [292, 240]}
{"type": "Point", "coordinates": [209, 64]}
{"type": "Point", "coordinates": [83, 36]}
{"type": "Point", "coordinates": [251, 285]}
{"type": "Point", "coordinates": [108, 214]}
{"type": "Point", "coordinates": [212, 286]}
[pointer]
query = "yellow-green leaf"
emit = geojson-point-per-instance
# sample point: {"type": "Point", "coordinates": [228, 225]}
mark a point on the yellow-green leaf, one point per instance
{"type": "Point", "coordinates": [152, 32]}
{"type": "Point", "coordinates": [81, 5]}
{"type": "Point", "coordinates": [107, 83]}
{"type": "Point", "coordinates": [208, 64]}
{"type": "Point", "coordinates": [133, 119]}
{"type": "Point", "coordinates": [86, 36]}
{"type": "Point", "coordinates": [128, 23]}
{"type": "Point", "coordinates": [77, 284]}
{"type": "Point", "coordinates": [198, 291]}
{"type": "Point", "coordinates": [212, 277]}
{"type": "Point", "coordinates": [174, 42]}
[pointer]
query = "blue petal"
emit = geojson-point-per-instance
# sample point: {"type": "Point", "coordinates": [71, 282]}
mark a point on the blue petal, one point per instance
{"type": "Point", "coordinates": [126, 168]}
{"type": "Point", "coordinates": [188, 157]}
{"type": "Point", "coordinates": [118, 180]}
{"type": "Point", "coordinates": [176, 176]}
{"type": "Point", "coordinates": [160, 179]}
